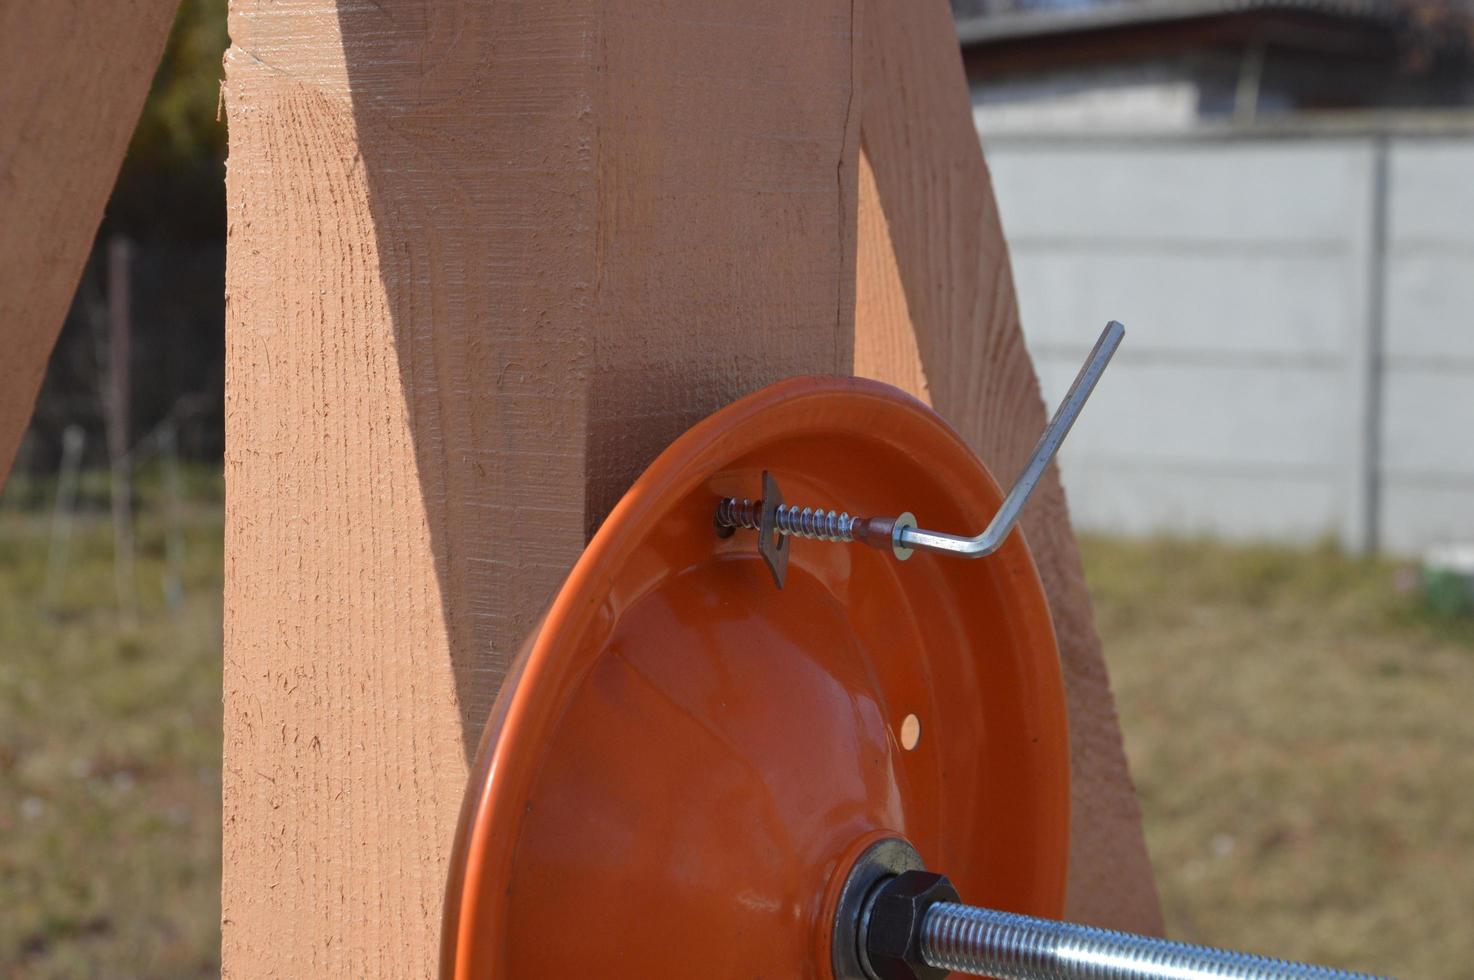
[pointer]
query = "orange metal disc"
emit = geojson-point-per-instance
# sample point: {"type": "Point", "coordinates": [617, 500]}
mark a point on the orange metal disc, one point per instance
{"type": "Point", "coordinates": [685, 761]}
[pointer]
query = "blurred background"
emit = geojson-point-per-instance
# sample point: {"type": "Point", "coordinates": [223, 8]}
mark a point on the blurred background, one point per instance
{"type": "Point", "coordinates": [1275, 485]}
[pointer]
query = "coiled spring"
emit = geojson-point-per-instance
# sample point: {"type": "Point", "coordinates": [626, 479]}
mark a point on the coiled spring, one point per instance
{"type": "Point", "coordinates": [805, 522]}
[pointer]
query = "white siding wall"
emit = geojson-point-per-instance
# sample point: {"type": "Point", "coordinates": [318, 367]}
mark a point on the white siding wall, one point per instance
{"type": "Point", "coordinates": [1243, 271]}
{"type": "Point", "coordinates": [1156, 97]}
{"type": "Point", "coordinates": [1428, 446]}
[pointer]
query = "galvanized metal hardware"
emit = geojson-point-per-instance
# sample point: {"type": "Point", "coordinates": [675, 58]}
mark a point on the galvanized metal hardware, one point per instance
{"type": "Point", "coordinates": [893, 924]}
{"type": "Point", "coordinates": [775, 522]}
{"type": "Point", "coordinates": [983, 942]}
{"type": "Point", "coordinates": [911, 926]}
{"type": "Point", "coordinates": [880, 862]}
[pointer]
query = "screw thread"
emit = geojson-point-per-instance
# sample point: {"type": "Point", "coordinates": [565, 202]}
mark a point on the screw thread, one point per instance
{"type": "Point", "coordinates": [819, 524]}
{"type": "Point", "coordinates": [984, 942]}
{"type": "Point", "coordinates": [805, 522]}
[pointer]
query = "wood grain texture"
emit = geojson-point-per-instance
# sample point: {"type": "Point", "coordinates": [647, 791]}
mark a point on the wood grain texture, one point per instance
{"type": "Point", "coordinates": [484, 261]}
{"type": "Point", "coordinates": [936, 314]}
{"type": "Point", "coordinates": [73, 77]}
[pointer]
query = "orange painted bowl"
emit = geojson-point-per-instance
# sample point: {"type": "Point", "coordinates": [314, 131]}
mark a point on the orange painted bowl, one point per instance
{"type": "Point", "coordinates": [685, 760]}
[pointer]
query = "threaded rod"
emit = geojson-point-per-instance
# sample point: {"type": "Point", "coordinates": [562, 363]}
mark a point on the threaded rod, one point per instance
{"type": "Point", "coordinates": [1018, 947]}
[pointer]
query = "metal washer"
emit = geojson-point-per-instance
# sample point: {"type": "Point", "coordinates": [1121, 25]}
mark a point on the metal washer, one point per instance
{"type": "Point", "coordinates": [881, 860]}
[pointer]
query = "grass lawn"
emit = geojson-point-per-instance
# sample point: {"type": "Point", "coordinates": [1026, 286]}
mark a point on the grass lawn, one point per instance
{"type": "Point", "coordinates": [1301, 737]}
{"type": "Point", "coordinates": [1303, 746]}
{"type": "Point", "coordinates": [109, 755]}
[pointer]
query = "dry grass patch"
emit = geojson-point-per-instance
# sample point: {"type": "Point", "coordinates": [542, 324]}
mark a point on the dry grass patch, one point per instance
{"type": "Point", "coordinates": [109, 757]}
{"type": "Point", "coordinates": [1300, 734]}
{"type": "Point", "coordinates": [1303, 745]}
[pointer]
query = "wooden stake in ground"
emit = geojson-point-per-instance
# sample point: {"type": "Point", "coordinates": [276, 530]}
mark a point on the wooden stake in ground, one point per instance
{"type": "Point", "coordinates": [173, 492]}
{"type": "Point", "coordinates": [117, 401]}
{"type": "Point", "coordinates": [73, 441]}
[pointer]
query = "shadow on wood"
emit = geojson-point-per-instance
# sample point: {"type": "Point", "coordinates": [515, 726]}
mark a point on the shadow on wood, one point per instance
{"type": "Point", "coordinates": [485, 262]}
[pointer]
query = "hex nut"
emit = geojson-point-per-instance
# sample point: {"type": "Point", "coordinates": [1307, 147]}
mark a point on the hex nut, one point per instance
{"type": "Point", "coordinates": [893, 936]}
{"type": "Point", "coordinates": [881, 861]}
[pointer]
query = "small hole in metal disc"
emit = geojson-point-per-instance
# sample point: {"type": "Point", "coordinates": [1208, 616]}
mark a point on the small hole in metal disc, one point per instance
{"type": "Point", "coordinates": [910, 732]}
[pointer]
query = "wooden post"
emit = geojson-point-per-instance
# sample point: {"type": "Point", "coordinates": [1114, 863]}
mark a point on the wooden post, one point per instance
{"type": "Point", "coordinates": [485, 260]}
{"type": "Point", "coordinates": [936, 315]}
{"type": "Point", "coordinates": [118, 406]}
{"type": "Point", "coordinates": [173, 492]}
{"type": "Point", "coordinates": [73, 75]}
{"type": "Point", "coordinates": [73, 442]}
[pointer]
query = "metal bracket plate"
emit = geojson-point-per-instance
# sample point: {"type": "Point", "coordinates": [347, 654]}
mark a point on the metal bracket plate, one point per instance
{"type": "Point", "coordinates": [772, 544]}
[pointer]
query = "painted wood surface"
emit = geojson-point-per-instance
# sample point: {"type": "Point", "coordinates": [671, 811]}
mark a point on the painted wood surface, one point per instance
{"type": "Point", "coordinates": [73, 77]}
{"type": "Point", "coordinates": [937, 315]}
{"type": "Point", "coordinates": [484, 261]}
